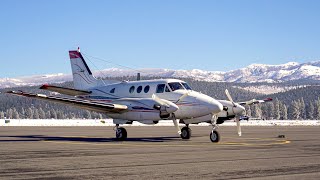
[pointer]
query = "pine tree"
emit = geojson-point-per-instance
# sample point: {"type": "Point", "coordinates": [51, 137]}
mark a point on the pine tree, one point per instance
{"type": "Point", "coordinates": [284, 112]}
{"type": "Point", "coordinates": [29, 113]}
{"type": "Point", "coordinates": [1, 115]}
{"type": "Point", "coordinates": [263, 111]}
{"type": "Point", "coordinates": [303, 109]}
{"type": "Point", "coordinates": [36, 114]}
{"type": "Point", "coordinates": [23, 113]}
{"type": "Point", "coordinates": [42, 114]}
{"type": "Point", "coordinates": [60, 115]}
{"type": "Point", "coordinates": [295, 109]}
{"type": "Point", "coordinates": [87, 114]}
{"type": "Point", "coordinates": [48, 115]}
{"type": "Point", "coordinates": [311, 110]}
{"type": "Point", "coordinates": [318, 109]}
{"type": "Point", "coordinates": [53, 114]}
{"type": "Point", "coordinates": [15, 114]}
{"type": "Point", "coordinates": [257, 111]}
{"type": "Point", "coordinates": [277, 109]}
{"type": "Point", "coordinates": [271, 110]}
{"type": "Point", "coordinates": [9, 113]}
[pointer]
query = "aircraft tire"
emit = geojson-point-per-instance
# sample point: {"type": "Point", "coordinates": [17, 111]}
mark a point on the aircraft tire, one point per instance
{"type": "Point", "coordinates": [185, 133]}
{"type": "Point", "coordinates": [214, 136]}
{"type": "Point", "coordinates": [121, 134]}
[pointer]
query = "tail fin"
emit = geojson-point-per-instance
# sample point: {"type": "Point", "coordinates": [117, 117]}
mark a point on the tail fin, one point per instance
{"type": "Point", "coordinates": [82, 75]}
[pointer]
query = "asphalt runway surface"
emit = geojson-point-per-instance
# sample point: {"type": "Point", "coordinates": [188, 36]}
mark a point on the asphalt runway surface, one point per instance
{"type": "Point", "coordinates": [158, 153]}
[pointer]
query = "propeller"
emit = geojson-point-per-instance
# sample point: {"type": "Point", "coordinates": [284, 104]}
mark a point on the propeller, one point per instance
{"type": "Point", "coordinates": [237, 115]}
{"type": "Point", "coordinates": [165, 107]}
{"type": "Point", "coordinates": [168, 108]}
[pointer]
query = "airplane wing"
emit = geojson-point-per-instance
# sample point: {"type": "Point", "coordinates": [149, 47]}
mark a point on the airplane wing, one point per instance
{"type": "Point", "coordinates": [63, 90]}
{"type": "Point", "coordinates": [254, 101]}
{"type": "Point", "coordinates": [76, 102]}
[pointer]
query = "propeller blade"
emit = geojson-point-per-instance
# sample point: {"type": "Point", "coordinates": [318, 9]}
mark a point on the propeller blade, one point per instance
{"type": "Point", "coordinates": [176, 125]}
{"type": "Point", "coordinates": [238, 125]}
{"type": "Point", "coordinates": [229, 97]}
{"type": "Point", "coordinates": [182, 97]}
{"type": "Point", "coordinates": [158, 100]}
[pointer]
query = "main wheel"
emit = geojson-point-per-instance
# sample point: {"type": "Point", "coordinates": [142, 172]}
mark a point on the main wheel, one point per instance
{"type": "Point", "coordinates": [185, 133]}
{"type": "Point", "coordinates": [121, 134]}
{"type": "Point", "coordinates": [214, 136]}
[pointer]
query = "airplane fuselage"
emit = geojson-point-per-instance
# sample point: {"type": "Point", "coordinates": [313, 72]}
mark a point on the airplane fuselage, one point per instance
{"type": "Point", "coordinates": [136, 95]}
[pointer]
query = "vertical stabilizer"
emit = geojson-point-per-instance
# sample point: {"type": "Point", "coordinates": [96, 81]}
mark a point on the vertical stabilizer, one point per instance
{"type": "Point", "coordinates": [82, 75]}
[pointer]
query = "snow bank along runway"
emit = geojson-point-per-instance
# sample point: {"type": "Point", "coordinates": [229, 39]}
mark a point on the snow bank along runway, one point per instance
{"type": "Point", "coordinates": [158, 153]}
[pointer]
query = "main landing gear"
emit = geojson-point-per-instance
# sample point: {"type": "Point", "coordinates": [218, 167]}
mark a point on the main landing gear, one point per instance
{"type": "Point", "coordinates": [121, 133]}
{"type": "Point", "coordinates": [185, 132]}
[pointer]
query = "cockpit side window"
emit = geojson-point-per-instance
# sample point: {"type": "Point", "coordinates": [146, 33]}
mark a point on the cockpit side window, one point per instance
{"type": "Point", "coordinates": [112, 90]}
{"type": "Point", "coordinates": [175, 86]}
{"type": "Point", "coordinates": [186, 86]}
{"type": "Point", "coordinates": [160, 88]}
{"type": "Point", "coordinates": [167, 89]}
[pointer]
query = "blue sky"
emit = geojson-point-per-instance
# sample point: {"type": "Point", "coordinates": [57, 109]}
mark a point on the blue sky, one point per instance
{"type": "Point", "coordinates": [216, 35]}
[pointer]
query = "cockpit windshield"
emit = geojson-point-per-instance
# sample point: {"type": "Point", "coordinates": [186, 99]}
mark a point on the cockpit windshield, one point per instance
{"type": "Point", "coordinates": [186, 86]}
{"type": "Point", "coordinates": [175, 86]}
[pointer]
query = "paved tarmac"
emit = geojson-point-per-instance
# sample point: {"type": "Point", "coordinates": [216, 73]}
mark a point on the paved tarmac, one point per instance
{"type": "Point", "coordinates": [158, 153]}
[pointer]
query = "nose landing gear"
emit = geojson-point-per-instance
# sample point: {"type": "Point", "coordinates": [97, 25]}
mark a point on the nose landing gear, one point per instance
{"type": "Point", "coordinates": [214, 135]}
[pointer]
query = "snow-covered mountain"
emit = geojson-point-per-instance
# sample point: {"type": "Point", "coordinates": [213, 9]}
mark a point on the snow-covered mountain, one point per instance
{"type": "Point", "coordinates": [251, 73]}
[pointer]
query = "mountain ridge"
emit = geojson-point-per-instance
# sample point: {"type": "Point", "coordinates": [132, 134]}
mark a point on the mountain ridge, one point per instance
{"type": "Point", "coordinates": [251, 74]}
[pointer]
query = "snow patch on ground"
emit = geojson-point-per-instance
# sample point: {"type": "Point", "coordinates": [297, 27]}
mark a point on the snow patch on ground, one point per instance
{"type": "Point", "coordinates": [109, 122]}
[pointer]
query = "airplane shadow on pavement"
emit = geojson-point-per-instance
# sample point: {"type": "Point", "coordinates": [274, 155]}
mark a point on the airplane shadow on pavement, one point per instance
{"type": "Point", "coordinates": [26, 138]}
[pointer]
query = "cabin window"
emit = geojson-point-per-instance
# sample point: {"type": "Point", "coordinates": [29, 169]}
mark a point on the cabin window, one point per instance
{"type": "Point", "coordinates": [112, 90]}
{"type": "Point", "coordinates": [167, 89]}
{"type": "Point", "coordinates": [160, 88]}
{"type": "Point", "coordinates": [146, 89]}
{"type": "Point", "coordinates": [175, 86]}
{"type": "Point", "coordinates": [186, 86]}
{"type": "Point", "coordinates": [131, 90]}
{"type": "Point", "coordinates": [139, 89]}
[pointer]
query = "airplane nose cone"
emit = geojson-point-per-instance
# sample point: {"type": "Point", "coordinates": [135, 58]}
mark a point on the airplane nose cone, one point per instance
{"type": "Point", "coordinates": [239, 110]}
{"type": "Point", "coordinates": [215, 106]}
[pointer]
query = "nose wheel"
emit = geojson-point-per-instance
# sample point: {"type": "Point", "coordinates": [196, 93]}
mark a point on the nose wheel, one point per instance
{"type": "Point", "coordinates": [214, 136]}
{"type": "Point", "coordinates": [121, 133]}
{"type": "Point", "coordinates": [185, 133]}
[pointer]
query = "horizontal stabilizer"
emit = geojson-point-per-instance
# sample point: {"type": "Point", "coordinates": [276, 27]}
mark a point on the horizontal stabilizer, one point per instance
{"type": "Point", "coordinates": [76, 102]}
{"type": "Point", "coordinates": [66, 91]}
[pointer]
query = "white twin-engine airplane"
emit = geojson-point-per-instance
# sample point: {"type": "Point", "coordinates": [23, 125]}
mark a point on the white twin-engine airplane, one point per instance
{"type": "Point", "coordinates": [145, 101]}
